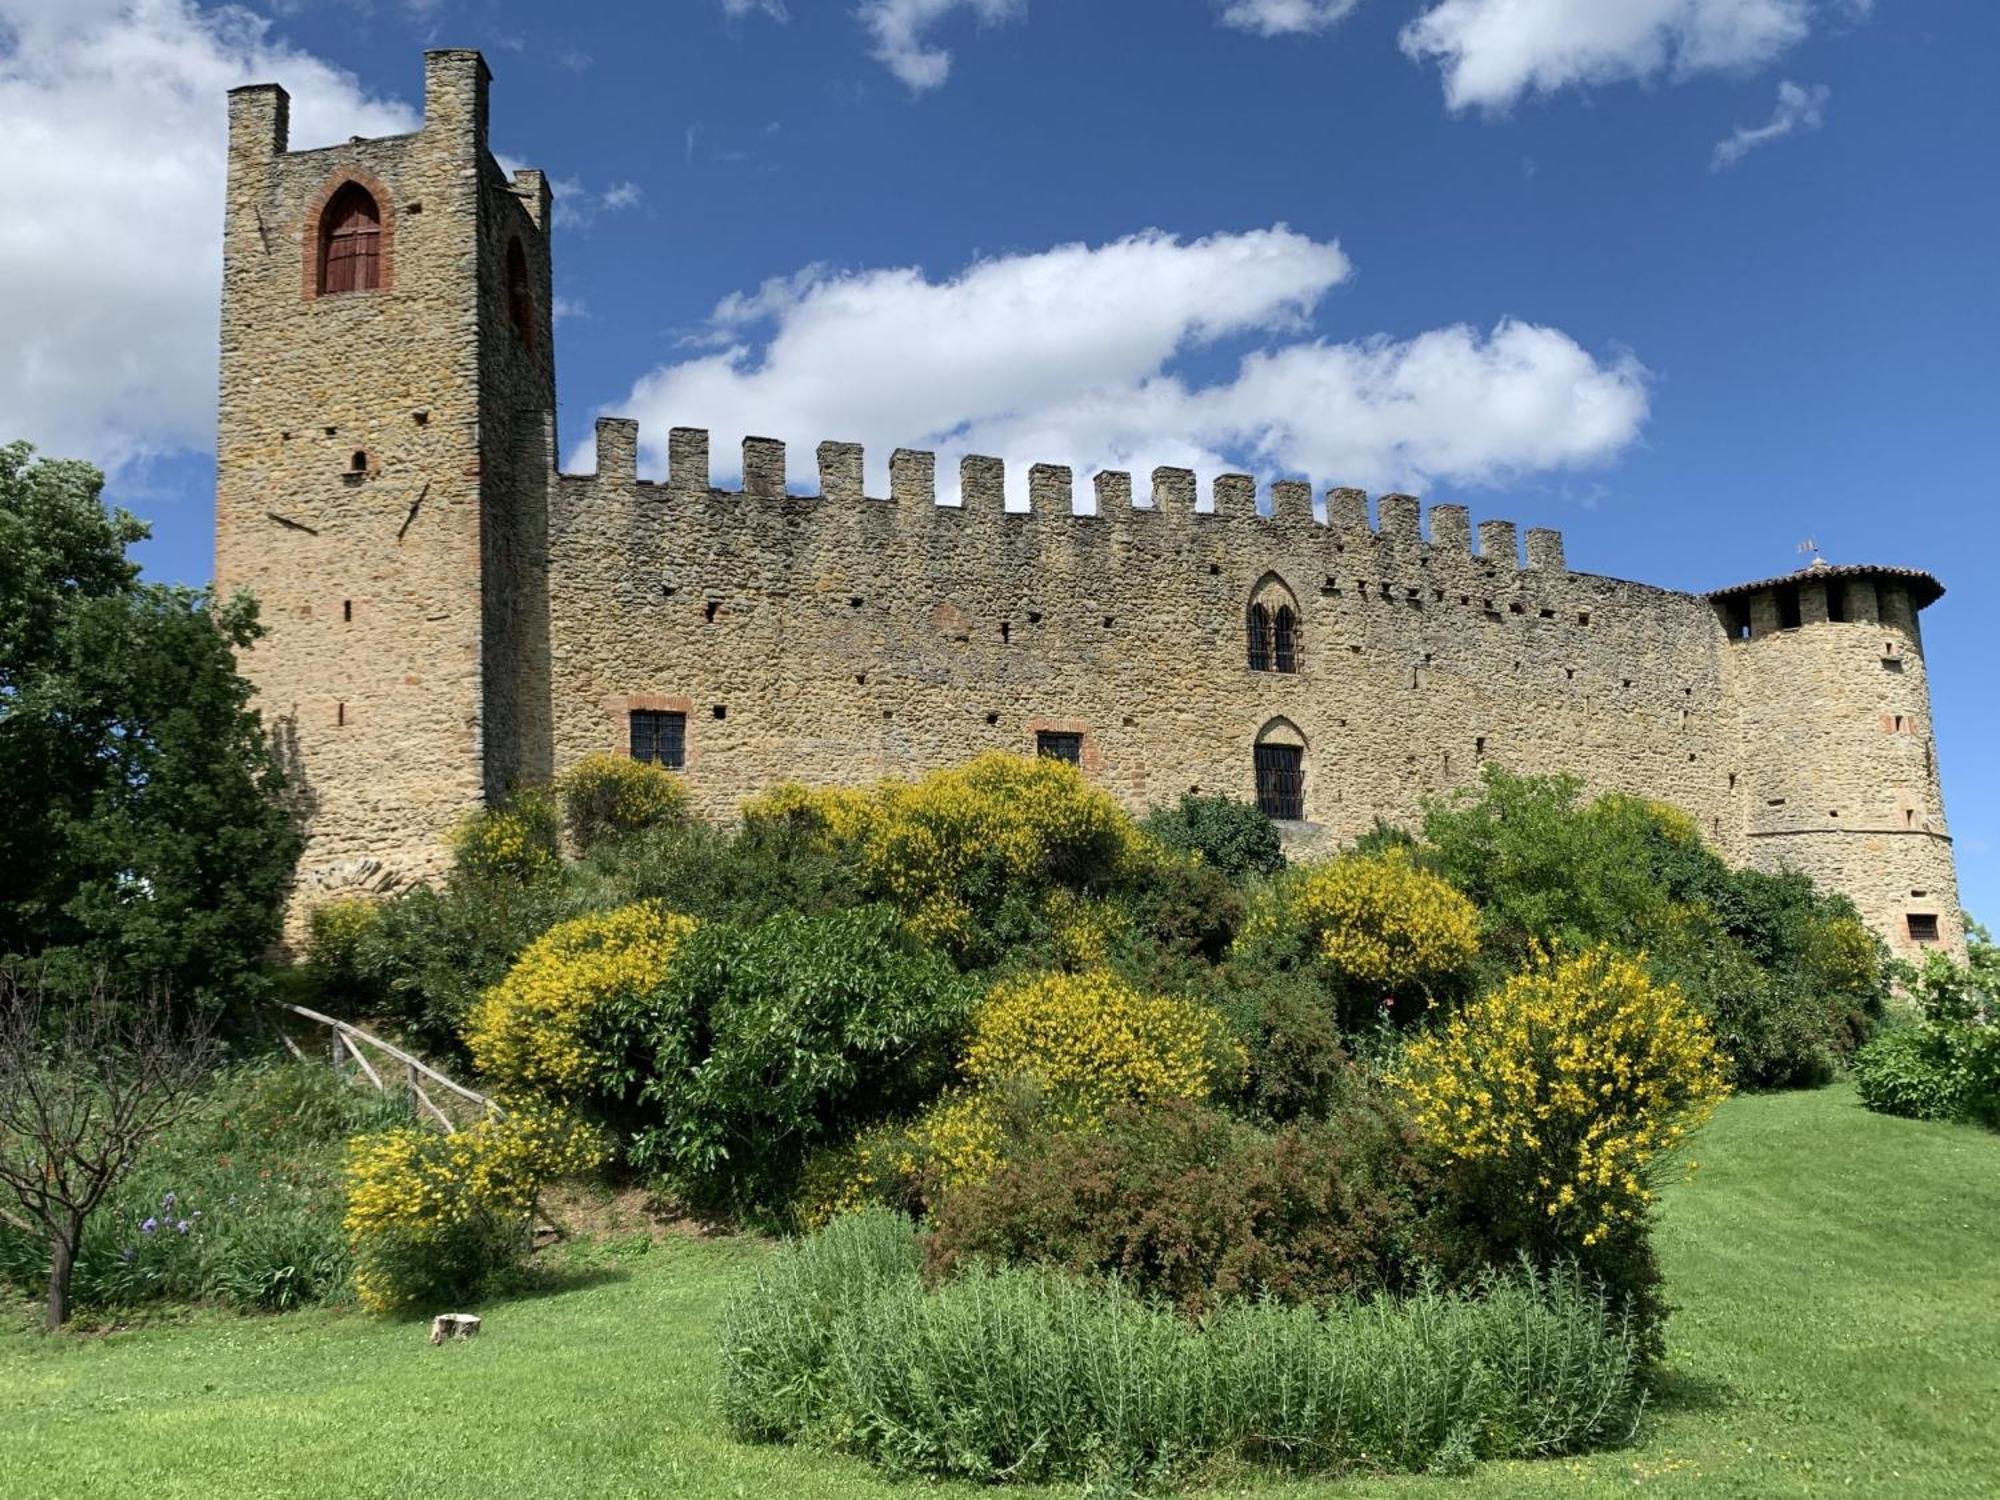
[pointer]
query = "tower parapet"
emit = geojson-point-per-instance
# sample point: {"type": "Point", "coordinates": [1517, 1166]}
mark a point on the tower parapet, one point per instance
{"type": "Point", "coordinates": [1840, 773]}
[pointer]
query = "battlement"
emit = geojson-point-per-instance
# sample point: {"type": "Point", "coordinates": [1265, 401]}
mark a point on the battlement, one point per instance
{"type": "Point", "coordinates": [1172, 494]}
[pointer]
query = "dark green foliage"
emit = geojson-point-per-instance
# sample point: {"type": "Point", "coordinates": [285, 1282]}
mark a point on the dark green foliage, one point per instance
{"type": "Point", "coordinates": [1298, 1066]}
{"type": "Point", "coordinates": [254, 1174]}
{"type": "Point", "coordinates": [143, 831]}
{"type": "Point", "coordinates": [1028, 1377]}
{"type": "Point", "coordinates": [1233, 838]}
{"type": "Point", "coordinates": [1189, 1207]}
{"type": "Point", "coordinates": [763, 1043]}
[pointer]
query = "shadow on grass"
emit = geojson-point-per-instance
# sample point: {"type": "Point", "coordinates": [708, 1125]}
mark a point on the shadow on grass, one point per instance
{"type": "Point", "coordinates": [537, 1283]}
{"type": "Point", "coordinates": [1679, 1391]}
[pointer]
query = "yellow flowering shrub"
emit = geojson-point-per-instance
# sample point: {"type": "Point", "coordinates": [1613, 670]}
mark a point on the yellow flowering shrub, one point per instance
{"type": "Point", "coordinates": [606, 796]}
{"type": "Point", "coordinates": [529, 1033]}
{"type": "Point", "coordinates": [1376, 920]}
{"type": "Point", "coordinates": [431, 1216]}
{"type": "Point", "coordinates": [516, 841]}
{"type": "Point", "coordinates": [1562, 1090]}
{"type": "Point", "coordinates": [948, 849]}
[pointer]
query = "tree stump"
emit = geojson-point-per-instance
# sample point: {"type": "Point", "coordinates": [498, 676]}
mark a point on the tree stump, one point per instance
{"type": "Point", "coordinates": [451, 1326]}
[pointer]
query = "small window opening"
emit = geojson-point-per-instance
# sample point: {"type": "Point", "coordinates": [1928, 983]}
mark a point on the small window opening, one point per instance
{"type": "Point", "coordinates": [1583, 618]}
{"type": "Point", "coordinates": [421, 418]}
{"type": "Point", "coordinates": [1515, 607]}
{"type": "Point", "coordinates": [721, 710]}
{"type": "Point", "coordinates": [1281, 782]}
{"type": "Point", "coordinates": [1774, 801]}
{"type": "Point", "coordinates": [1034, 617]}
{"type": "Point", "coordinates": [1924, 927]}
{"type": "Point", "coordinates": [1006, 633]}
{"type": "Point", "coordinates": [340, 715]}
{"type": "Point", "coordinates": [1109, 621]}
{"type": "Point", "coordinates": [1736, 619]}
{"type": "Point", "coordinates": [1214, 569]}
{"type": "Point", "coordinates": [347, 610]}
{"type": "Point", "coordinates": [1789, 616]}
{"type": "Point", "coordinates": [1057, 744]}
{"type": "Point", "coordinates": [708, 611]}
{"type": "Point", "coordinates": [861, 679]}
{"type": "Point", "coordinates": [659, 738]}
{"type": "Point", "coordinates": [1548, 614]}
{"type": "Point", "coordinates": [993, 718]}
{"type": "Point", "coordinates": [1836, 601]}
{"type": "Point", "coordinates": [1479, 747]}
{"type": "Point", "coordinates": [358, 463]}
{"type": "Point", "coordinates": [1919, 895]}
{"type": "Point", "coordinates": [854, 601]}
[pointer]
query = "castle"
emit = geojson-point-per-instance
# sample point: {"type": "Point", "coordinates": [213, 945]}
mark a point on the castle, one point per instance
{"type": "Point", "coordinates": [449, 615]}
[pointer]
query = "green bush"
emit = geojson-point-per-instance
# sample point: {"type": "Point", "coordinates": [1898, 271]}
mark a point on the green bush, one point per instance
{"type": "Point", "coordinates": [1189, 1207]}
{"type": "Point", "coordinates": [1945, 1064]}
{"type": "Point", "coordinates": [1233, 838]}
{"type": "Point", "coordinates": [240, 1204]}
{"type": "Point", "coordinates": [1298, 1066]}
{"type": "Point", "coordinates": [608, 797]}
{"type": "Point", "coordinates": [764, 1043]}
{"type": "Point", "coordinates": [1029, 1377]}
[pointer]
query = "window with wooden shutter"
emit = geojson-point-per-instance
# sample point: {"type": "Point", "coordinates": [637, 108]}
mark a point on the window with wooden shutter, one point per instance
{"type": "Point", "coordinates": [351, 242]}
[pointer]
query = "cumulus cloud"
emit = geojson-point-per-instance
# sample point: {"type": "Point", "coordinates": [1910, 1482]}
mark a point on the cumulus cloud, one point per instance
{"type": "Point", "coordinates": [775, 9]}
{"type": "Point", "coordinates": [578, 204]}
{"type": "Point", "coordinates": [1079, 355]}
{"type": "Point", "coordinates": [1284, 17]}
{"type": "Point", "coordinates": [1493, 51]}
{"type": "Point", "coordinates": [899, 34]}
{"type": "Point", "coordinates": [1800, 109]}
{"type": "Point", "coordinates": [111, 252]}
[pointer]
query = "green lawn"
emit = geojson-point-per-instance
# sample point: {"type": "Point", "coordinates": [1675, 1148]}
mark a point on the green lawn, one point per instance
{"type": "Point", "coordinates": [1838, 1276]}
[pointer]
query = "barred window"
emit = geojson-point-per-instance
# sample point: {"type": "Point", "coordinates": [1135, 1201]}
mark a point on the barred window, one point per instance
{"type": "Point", "coordinates": [1285, 640]}
{"type": "Point", "coordinates": [1260, 638]}
{"type": "Point", "coordinates": [1056, 744]}
{"type": "Point", "coordinates": [659, 738]}
{"type": "Point", "coordinates": [1281, 781]}
{"type": "Point", "coordinates": [1924, 927]}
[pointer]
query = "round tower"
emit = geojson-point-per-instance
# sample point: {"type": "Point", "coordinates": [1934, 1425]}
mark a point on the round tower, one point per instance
{"type": "Point", "coordinates": [1839, 773]}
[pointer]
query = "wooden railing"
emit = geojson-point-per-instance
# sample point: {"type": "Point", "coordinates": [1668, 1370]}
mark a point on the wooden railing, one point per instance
{"type": "Point", "coordinates": [348, 1041]}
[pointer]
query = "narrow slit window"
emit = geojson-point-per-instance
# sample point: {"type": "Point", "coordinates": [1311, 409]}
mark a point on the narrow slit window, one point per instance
{"type": "Point", "coordinates": [1281, 782]}
{"type": "Point", "coordinates": [659, 738]}
{"type": "Point", "coordinates": [1836, 601]}
{"type": "Point", "coordinates": [520, 296]}
{"type": "Point", "coordinates": [1059, 744]}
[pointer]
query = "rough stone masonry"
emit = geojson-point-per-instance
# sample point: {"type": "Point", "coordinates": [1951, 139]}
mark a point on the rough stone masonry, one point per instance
{"type": "Point", "coordinates": [450, 615]}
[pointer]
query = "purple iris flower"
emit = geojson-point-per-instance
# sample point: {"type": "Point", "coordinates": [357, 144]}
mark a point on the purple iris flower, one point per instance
{"type": "Point", "coordinates": [149, 1226]}
{"type": "Point", "coordinates": [182, 1227]}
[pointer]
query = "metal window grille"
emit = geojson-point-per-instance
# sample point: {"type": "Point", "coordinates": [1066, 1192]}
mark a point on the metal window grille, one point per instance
{"type": "Point", "coordinates": [1285, 640]}
{"type": "Point", "coordinates": [1054, 744]}
{"type": "Point", "coordinates": [659, 739]}
{"type": "Point", "coordinates": [1260, 638]}
{"type": "Point", "coordinates": [1281, 782]}
{"type": "Point", "coordinates": [1923, 927]}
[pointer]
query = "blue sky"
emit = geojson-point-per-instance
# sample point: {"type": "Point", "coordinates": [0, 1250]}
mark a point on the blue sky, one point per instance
{"type": "Point", "coordinates": [1692, 280]}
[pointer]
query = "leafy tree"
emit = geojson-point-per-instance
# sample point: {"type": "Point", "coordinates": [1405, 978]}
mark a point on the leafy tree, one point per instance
{"type": "Point", "coordinates": [143, 828]}
{"type": "Point", "coordinates": [1235, 838]}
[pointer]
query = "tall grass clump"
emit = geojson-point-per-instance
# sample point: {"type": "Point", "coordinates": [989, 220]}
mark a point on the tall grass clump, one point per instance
{"type": "Point", "coordinates": [1025, 1376]}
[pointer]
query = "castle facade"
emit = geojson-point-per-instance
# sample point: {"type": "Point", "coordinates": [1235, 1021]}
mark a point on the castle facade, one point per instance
{"type": "Point", "coordinates": [450, 615]}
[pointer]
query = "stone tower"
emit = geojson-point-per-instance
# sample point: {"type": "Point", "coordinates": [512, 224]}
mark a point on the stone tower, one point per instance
{"type": "Point", "coordinates": [1840, 774]}
{"type": "Point", "coordinates": [384, 446]}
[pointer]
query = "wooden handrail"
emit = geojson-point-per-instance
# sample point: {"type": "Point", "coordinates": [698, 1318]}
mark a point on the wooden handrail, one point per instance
{"type": "Point", "coordinates": [352, 1033]}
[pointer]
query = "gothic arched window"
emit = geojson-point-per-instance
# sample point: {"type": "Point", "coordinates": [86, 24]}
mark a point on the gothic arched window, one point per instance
{"type": "Point", "coordinates": [1260, 638]}
{"type": "Point", "coordinates": [1285, 640]}
{"type": "Point", "coordinates": [350, 242]}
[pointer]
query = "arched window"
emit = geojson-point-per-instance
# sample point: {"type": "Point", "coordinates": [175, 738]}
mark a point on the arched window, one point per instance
{"type": "Point", "coordinates": [350, 242]}
{"type": "Point", "coordinates": [1260, 638]}
{"type": "Point", "coordinates": [520, 295]}
{"type": "Point", "coordinates": [1279, 760]}
{"type": "Point", "coordinates": [1285, 640]}
{"type": "Point", "coordinates": [1273, 623]}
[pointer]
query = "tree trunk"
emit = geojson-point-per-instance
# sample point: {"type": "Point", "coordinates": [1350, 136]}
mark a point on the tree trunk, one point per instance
{"type": "Point", "coordinates": [62, 1261]}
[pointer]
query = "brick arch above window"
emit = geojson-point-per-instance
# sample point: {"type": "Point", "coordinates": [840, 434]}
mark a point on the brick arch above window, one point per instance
{"type": "Point", "coordinates": [312, 232]}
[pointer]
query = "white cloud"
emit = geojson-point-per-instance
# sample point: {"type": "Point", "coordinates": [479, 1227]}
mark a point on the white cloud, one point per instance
{"type": "Point", "coordinates": [898, 31]}
{"type": "Point", "coordinates": [578, 204]}
{"type": "Point", "coordinates": [1284, 17]}
{"type": "Point", "coordinates": [1801, 108]}
{"type": "Point", "coordinates": [1493, 51]}
{"type": "Point", "coordinates": [113, 118]}
{"type": "Point", "coordinates": [775, 9]}
{"type": "Point", "coordinates": [1076, 355]}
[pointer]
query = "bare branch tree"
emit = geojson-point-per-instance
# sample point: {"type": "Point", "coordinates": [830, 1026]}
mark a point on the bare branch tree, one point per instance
{"type": "Point", "coordinates": [85, 1084]}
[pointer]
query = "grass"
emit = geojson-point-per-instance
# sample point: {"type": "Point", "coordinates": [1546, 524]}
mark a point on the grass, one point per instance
{"type": "Point", "coordinates": [1838, 1275]}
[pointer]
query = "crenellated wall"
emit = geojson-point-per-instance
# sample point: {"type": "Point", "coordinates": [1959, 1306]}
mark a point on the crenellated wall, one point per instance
{"type": "Point", "coordinates": [837, 637]}
{"type": "Point", "coordinates": [449, 616]}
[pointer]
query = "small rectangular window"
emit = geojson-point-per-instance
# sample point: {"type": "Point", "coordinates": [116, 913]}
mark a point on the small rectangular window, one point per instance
{"type": "Point", "coordinates": [659, 739]}
{"type": "Point", "coordinates": [1055, 744]}
{"type": "Point", "coordinates": [1281, 782]}
{"type": "Point", "coordinates": [1923, 927]}
{"type": "Point", "coordinates": [1836, 601]}
{"type": "Point", "coordinates": [1789, 614]}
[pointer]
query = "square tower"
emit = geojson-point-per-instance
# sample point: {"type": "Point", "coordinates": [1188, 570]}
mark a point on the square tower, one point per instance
{"type": "Point", "coordinates": [385, 442]}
